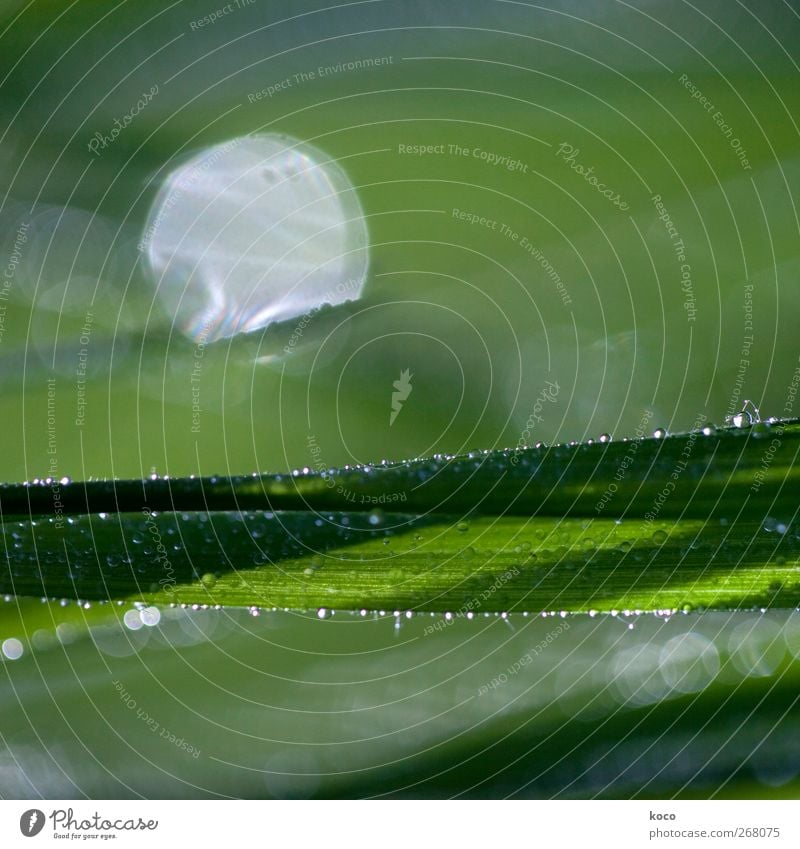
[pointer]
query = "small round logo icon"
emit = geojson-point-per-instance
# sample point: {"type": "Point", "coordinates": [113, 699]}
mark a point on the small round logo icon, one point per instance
{"type": "Point", "coordinates": [31, 822]}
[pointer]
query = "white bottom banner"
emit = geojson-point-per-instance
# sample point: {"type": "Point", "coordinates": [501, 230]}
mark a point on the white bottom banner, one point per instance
{"type": "Point", "coordinates": [394, 823]}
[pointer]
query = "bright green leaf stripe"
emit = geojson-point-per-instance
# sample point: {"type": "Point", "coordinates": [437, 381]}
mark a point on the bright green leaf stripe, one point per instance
{"type": "Point", "coordinates": [484, 566]}
{"type": "Point", "coordinates": [734, 545]}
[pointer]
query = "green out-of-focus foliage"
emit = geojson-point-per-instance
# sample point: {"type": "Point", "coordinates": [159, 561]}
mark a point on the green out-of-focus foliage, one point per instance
{"type": "Point", "coordinates": [582, 221]}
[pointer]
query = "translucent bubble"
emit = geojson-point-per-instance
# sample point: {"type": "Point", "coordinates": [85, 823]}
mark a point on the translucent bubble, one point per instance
{"type": "Point", "coordinates": [42, 640]}
{"type": "Point", "coordinates": [757, 647]}
{"type": "Point", "coordinates": [12, 648]}
{"type": "Point", "coordinates": [66, 633]}
{"type": "Point", "coordinates": [59, 238]}
{"type": "Point", "coordinates": [659, 433]}
{"type": "Point", "coordinates": [635, 675]}
{"type": "Point", "coordinates": [791, 634]}
{"type": "Point", "coordinates": [689, 662]}
{"type": "Point", "coordinates": [132, 620]}
{"type": "Point", "coordinates": [150, 616]}
{"type": "Point", "coordinates": [254, 231]}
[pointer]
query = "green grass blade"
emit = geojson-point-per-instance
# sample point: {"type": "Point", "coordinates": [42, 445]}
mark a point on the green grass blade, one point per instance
{"type": "Point", "coordinates": [697, 520]}
{"type": "Point", "coordinates": [704, 473]}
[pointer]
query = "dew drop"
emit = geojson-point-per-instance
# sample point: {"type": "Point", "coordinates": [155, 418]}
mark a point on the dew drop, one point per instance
{"type": "Point", "coordinates": [772, 525]}
{"type": "Point", "coordinates": [150, 616]}
{"type": "Point", "coordinates": [12, 648]}
{"type": "Point", "coordinates": [604, 437]}
{"type": "Point", "coordinates": [230, 253]}
{"type": "Point", "coordinates": [133, 620]}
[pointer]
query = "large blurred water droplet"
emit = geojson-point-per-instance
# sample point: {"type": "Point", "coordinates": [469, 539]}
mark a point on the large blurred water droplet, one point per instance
{"type": "Point", "coordinates": [12, 648]}
{"type": "Point", "coordinates": [257, 230]}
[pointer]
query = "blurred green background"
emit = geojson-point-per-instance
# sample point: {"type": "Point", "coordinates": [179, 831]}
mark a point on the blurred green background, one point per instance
{"type": "Point", "coordinates": [479, 320]}
{"type": "Point", "coordinates": [649, 95]}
